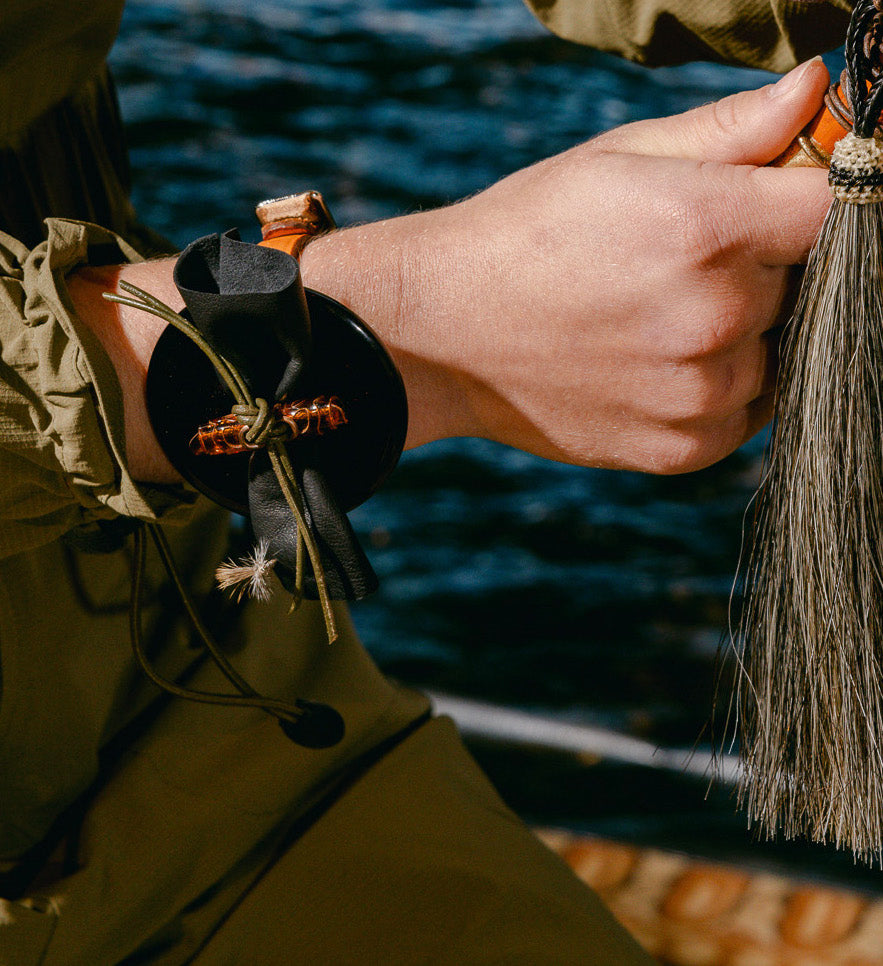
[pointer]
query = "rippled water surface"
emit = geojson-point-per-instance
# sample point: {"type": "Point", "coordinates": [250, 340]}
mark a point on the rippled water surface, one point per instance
{"type": "Point", "coordinates": [593, 595]}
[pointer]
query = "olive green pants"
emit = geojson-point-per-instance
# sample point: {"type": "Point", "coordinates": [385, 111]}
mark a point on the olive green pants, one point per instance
{"type": "Point", "coordinates": [418, 862]}
{"type": "Point", "coordinates": [213, 839]}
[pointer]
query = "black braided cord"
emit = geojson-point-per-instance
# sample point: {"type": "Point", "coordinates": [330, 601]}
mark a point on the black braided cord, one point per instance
{"type": "Point", "coordinates": [864, 67]}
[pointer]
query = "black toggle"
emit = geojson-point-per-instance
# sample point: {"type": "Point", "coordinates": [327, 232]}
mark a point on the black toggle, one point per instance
{"type": "Point", "coordinates": [320, 725]}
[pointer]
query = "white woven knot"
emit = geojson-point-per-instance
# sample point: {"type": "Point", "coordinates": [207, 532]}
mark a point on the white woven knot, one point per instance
{"type": "Point", "coordinates": [856, 173]}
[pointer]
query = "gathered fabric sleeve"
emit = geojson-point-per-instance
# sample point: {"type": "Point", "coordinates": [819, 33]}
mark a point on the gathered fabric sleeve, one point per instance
{"type": "Point", "coordinates": [62, 441]}
{"type": "Point", "coordinates": [772, 34]}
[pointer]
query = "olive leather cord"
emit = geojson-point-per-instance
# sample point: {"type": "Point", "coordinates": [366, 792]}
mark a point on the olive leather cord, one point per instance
{"type": "Point", "coordinates": [248, 333]}
{"type": "Point", "coordinates": [278, 342]}
{"type": "Point", "coordinates": [309, 724]}
{"type": "Point", "coordinates": [248, 406]}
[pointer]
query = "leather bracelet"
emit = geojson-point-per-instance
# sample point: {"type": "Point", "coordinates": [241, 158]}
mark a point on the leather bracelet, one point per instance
{"type": "Point", "coordinates": [331, 394]}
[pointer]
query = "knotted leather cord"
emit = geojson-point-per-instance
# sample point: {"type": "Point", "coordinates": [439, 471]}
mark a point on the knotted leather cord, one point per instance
{"type": "Point", "coordinates": [248, 406]}
{"type": "Point", "coordinates": [165, 553]}
{"type": "Point", "coordinates": [249, 698]}
{"type": "Point", "coordinates": [263, 429]}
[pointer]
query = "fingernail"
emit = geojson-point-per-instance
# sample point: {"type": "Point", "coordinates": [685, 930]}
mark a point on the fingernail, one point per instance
{"type": "Point", "coordinates": [793, 78]}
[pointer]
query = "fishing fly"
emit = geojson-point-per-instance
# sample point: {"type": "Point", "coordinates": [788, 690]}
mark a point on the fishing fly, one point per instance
{"type": "Point", "coordinates": [227, 434]}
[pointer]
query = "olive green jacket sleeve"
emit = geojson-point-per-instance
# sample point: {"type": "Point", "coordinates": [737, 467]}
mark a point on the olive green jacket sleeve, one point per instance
{"type": "Point", "coordinates": [62, 441]}
{"type": "Point", "coordinates": [773, 34]}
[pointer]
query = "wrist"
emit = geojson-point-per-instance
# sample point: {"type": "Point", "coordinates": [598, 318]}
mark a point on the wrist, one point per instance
{"type": "Point", "coordinates": [129, 336]}
{"type": "Point", "coordinates": [387, 274]}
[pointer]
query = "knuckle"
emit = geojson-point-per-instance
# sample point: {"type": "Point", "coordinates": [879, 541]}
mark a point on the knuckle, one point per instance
{"type": "Point", "coordinates": [677, 451]}
{"type": "Point", "coordinates": [698, 235]}
{"type": "Point", "coordinates": [719, 331]}
{"type": "Point", "coordinates": [727, 389]}
{"type": "Point", "coordinates": [688, 452]}
{"type": "Point", "coordinates": [690, 341]}
{"type": "Point", "coordinates": [698, 393]}
{"type": "Point", "coordinates": [714, 216]}
{"type": "Point", "coordinates": [707, 235]}
{"type": "Point", "coordinates": [725, 116]}
{"type": "Point", "coordinates": [703, 399]}
{"type": "Point", "coordinates": [726, 318]}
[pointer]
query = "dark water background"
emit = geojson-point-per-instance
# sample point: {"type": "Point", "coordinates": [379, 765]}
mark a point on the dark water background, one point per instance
{"type": "Point", "coordinates": [593, 595]}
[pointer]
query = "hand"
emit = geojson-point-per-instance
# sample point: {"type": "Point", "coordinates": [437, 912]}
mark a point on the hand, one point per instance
{"type": "Point", "coordinates": [613, 306]}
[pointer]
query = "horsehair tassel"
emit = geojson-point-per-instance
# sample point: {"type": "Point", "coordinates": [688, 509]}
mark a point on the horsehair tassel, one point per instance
{"type": "Point", "coordinates": [809, 688]}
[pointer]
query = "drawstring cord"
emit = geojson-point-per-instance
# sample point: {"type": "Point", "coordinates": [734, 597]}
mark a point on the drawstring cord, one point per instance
{"type": "Point", "coordinates": [248, 697]}
{"type": "Point", "coordinates": [307, 723]}
{"type": "Point", "coordinates": [139, 299]}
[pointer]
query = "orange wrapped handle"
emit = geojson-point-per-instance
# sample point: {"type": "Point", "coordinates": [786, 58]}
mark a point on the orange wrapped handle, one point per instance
{"type": "Point", "coordinates": [813, 146]}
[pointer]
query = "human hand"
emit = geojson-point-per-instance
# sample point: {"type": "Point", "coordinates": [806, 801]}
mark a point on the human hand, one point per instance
{"type": "Point", "coordinates": [613, 306]}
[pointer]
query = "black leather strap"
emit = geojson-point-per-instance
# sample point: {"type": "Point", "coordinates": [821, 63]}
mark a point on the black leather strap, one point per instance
{"type": "Point", "coordinates": [249, 303]}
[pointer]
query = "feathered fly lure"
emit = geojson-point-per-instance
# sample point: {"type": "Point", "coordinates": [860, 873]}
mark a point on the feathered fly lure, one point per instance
{"type": "Point", "coordinates": [249, 576]}
{"type": "Point", "coordinates": [810, 680]}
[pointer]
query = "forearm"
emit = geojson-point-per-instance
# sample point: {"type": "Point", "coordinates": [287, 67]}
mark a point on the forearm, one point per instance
{"type": "Point", "coordinates": [383, 289]}
{"type": "Point", "coordinates": [128, 336]}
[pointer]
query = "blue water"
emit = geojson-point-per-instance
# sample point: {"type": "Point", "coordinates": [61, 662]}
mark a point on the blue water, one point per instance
{"type": "Point", "coordinates": [594, 595]}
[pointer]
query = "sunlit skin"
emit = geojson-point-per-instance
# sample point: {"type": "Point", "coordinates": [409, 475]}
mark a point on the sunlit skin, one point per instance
{"type": "Point", "coordinates": [615, 306]}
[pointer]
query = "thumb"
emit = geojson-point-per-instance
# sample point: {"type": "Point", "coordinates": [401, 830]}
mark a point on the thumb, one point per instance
{"type": "Point", "coordinates": [752, 127]}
